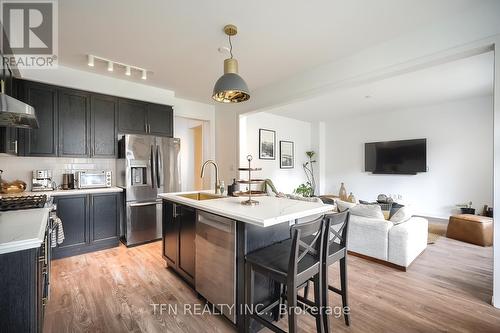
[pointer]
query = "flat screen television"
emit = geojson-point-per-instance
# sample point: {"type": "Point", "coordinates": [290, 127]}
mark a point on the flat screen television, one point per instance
{"type": "Point", "coordinates": [404, 157]}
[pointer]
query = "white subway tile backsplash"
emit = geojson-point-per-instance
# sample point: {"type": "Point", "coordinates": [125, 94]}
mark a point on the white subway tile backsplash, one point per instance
{"type": "Point", "coordinates": [16, 167]}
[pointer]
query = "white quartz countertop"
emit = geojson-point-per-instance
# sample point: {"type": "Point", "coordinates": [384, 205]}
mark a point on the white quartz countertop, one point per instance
{"type": "Point", "coordinates": [22, 229]}
{"type": "Point", "coordinates": [57, 193]}
{"type": "Point", "coordinates": [270, 211]}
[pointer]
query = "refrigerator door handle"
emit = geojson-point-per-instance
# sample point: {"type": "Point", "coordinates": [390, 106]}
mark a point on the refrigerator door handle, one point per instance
{"type": "Point", "coordinates": [159, 166]}
{"type": "Point", "coordinates": [152, 167]}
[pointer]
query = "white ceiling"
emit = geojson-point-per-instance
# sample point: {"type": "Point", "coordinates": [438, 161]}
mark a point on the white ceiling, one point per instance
{"type": "Point", "coordinates": [178, 40]}
{"type": "Point", "coordinates": [464, 78]}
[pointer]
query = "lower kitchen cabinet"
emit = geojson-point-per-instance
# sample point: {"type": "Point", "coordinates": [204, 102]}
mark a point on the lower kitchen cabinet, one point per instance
{"type": "Point", "coordinates": [179, 231]}
{"type": "Point", "coordinates": [90, 222]}
{"type": "Point", "coordinates": [23, 295]}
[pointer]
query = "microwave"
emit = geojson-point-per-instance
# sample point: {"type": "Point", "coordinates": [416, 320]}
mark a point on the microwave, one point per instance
{"type": "Point", "coordinates": [92, 179]}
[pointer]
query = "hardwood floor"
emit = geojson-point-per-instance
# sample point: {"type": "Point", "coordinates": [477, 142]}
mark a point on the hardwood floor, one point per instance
{"type": "Point", "coordinates": [448, 288]}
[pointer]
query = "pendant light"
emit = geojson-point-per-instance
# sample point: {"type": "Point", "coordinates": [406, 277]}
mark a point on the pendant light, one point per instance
{"type": "Point", "coordinates": [230, 87]}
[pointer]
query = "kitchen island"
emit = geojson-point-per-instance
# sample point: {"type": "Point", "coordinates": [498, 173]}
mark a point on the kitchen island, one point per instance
{"type": "Point", "coordinates": [206, 238]}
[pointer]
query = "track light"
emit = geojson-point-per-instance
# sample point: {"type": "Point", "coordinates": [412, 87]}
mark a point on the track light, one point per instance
{"type": "Point", "coordinates": [128, 68]}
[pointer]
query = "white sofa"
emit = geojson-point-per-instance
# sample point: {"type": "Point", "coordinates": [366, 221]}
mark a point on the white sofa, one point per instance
{"type": "Point", "coordinates": [397, 244]}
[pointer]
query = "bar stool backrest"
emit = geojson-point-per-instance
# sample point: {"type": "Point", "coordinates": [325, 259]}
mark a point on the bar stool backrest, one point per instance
{"type": "Point", "coordinates": [338, 226]}
{"type": "Point", "coordinates": [303, 245]}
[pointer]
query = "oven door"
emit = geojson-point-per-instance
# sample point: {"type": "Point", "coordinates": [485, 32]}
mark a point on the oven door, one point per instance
{"type": "Point", "coordinates": [143, 222]}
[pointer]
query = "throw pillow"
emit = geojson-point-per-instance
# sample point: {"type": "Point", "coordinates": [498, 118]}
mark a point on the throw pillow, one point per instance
{"type": "Point", "coordinates": [386, 207]}
{"type": "Point", "coordinates": [344, 205]}
{"type": "Point", "coordinates": [402, 215]}
{"type": "Point", "coordinates": [370, 211]}
{"type": "Point", "coordinates": [394, 208]}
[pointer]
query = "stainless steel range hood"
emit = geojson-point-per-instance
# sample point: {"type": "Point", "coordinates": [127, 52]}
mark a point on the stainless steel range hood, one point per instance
{"type": "Point", "coordinates": [14, 113]}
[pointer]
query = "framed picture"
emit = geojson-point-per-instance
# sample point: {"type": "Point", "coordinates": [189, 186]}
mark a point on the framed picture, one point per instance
{"type": "Point", "coordinates": [267, 144]}
{"type": "Point", "coordinates": [286, 155]}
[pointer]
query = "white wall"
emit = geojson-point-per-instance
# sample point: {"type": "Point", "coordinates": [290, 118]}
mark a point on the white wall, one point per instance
{"type": "Point", "coordinates": [459, 155]}
{"type": "Point", "coordinates": [183, 130]}
{"type": "Point", "coordinates": [286, 180]}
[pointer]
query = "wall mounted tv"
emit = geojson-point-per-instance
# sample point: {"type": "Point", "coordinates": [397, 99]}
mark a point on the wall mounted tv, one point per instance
{"type": "Point", "coordinates": [404, 157]}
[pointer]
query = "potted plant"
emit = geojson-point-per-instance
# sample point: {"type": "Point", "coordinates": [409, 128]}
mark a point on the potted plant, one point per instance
{"type": "Point", "coordinates": [308, 189]}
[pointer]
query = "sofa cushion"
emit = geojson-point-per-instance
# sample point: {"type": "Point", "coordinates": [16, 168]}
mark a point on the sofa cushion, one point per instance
{"type": "Point", "coordinates": [407, 241]}
{"type": "Point", "coordinates": [344, 205]}
{"type": "Point", "coordinates": [370, 211]}
{"type": "Point", "coordinates": [402, 215]}
{"type": "Point", "coordinates": [368, 236]}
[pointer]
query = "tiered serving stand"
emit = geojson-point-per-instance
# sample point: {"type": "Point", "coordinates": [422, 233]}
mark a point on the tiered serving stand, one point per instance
{"type": "Point", "coordinates": [249, 182]}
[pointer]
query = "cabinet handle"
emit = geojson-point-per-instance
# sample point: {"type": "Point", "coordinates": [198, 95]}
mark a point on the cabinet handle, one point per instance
{"type": "Point", "coordinates": [44, 301]}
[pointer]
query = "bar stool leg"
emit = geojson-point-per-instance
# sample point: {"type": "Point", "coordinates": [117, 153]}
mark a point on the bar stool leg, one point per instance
{"type": "Point", "coordinates": [249, 281]}
{"type": "Point", "coordinates": [343, 285]}
{"type": "Point", "coordinates": [318, 287]}
{"type": "Point", "coordinates": [324, 294]}
{"type": "Point", "coordinates": [292, 304]}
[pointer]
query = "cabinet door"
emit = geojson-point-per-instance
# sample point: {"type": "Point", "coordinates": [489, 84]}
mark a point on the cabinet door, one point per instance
{"type": "Point", "coordinates": [103, 126]}
{"type": "Point", "coordinates": [187, 233]}
{"type": "Point", "coordinates": [8, 140]}
{"type": "Point", "coordinates": [104, 217]}
{"type": "Point", "coordinates": [41, 141]}
{"type": "Point", "coordinates": [74, 115]}
{"type": "Point", "coordinates": [73, 211]}
{"type": "Point", "coordinates": [170, 232]}
{"type": "Point", "coordinates": [160, 120]}
{"type": "Point", "coordinates": [132, 116]}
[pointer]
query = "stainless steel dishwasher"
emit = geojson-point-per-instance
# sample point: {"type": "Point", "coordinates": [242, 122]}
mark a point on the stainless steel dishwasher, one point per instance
{"type": "Point", "coordinates": [215, 277]}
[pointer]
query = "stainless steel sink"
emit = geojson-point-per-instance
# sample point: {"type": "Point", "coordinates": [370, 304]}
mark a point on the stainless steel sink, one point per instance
{"type": "Point", "coordinates": [200, 196]}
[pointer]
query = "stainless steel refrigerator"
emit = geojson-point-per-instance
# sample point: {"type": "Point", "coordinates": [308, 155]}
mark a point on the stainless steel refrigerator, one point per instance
{"type": "Point", "coordinates": [147, 165]}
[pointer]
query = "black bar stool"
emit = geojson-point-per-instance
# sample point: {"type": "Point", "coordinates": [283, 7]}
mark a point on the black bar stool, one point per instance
{"type": "Point", "coordinates": [291, 263]}
{"type": "Point", "coordinates": [334, 249]}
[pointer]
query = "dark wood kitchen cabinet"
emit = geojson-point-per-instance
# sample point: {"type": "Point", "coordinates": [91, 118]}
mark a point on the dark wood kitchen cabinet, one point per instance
{"type": "Point", "coordinates": [103, 125]}
{"type": "Point", "coordinates": [160, 120]}
{"type": "Point", "coordinates": [170, 234]}
{"type": "Point", "coordinates": [74, 120]}
{"type": "Point", "coordinates": [132, 116]}
{"type": "Point", "coordinates": [104, 217]}
{"type": "Point", "coordinates": [179, 232]}
{"type": "Point", "coordinates": [187, 234]}
{"type": "Point", "coordinates": [76, 123]}
{"type": "Point", "coordinates": [145, 118]}
{"type": "Point", "coordinates": [41, 141]}
{"type": "Point", "coordinates": [24, 291]}
{"type": "Point", "coordinates": [9, 143]}
{"type": "Point", "coordinates": [91, 222]}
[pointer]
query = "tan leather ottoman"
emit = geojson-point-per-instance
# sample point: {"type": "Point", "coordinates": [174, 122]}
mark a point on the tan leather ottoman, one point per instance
{"type": "Point", "coordinates": [473, 229]}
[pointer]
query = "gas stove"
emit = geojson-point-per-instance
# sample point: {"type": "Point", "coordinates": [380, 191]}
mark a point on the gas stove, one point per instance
{"type": "Point", "coordinates": [17, 202]}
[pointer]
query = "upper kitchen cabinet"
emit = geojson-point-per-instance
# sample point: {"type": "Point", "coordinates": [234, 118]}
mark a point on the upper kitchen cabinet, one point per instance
{"type": "Point", "coordinates": [132, 116]}
{"type": "Point", "coordinates": [41, 141]}
{"type": "Point", "coordinates": [103, 125]}
{"type": "Point", "coordinates": [136, 117]}
{"type": "Point", "coordinates": [160, 120]}
{"type": "Point", "coordinates": [74, 119]}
